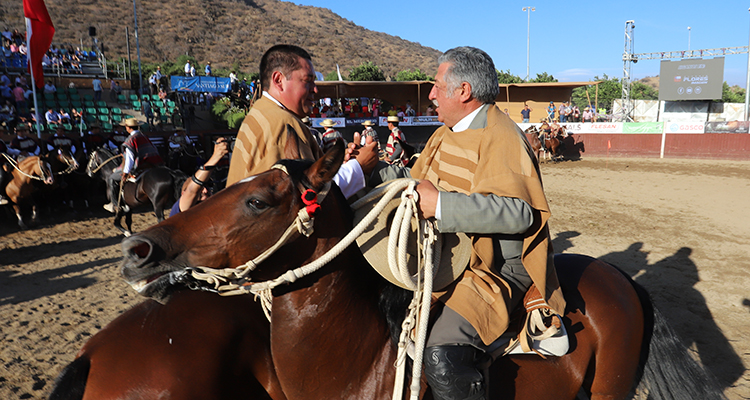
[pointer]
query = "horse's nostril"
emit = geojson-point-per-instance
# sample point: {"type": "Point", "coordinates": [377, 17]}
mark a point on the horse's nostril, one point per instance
{"type": "Point", "coordinates": [137, 248]}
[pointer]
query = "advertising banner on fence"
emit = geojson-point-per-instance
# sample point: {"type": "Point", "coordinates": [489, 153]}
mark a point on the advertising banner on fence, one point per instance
{"type": "Point", "coordinates": [413, 121]}
{"type": "Point", "coordinates": [212, 84]}
{"type": "Point", "coordinates": [340, 122]}
{"type": "Point", "coordinates": [643, 127]}
{"type": "Point", "coordinates": [727, 127]}
{"type": "Point", "coordinates": [684, 127]}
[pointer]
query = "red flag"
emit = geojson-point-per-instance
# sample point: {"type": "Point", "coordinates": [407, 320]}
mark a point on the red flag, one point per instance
{"type": "Point", "coordinates": [40, 32]}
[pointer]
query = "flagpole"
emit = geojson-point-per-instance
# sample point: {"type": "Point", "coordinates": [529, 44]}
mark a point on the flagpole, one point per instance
{"type": "Point", "coordinates": [31, 71]}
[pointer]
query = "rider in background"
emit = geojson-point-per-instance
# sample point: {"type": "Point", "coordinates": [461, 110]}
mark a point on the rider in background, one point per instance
{"type": "Point", "coordinates": [139, 154]}
{"type": "Point", "coordinates": [179, 142]}
{"type": "Point", "coordinates": [23, 145]}
{"type": "Point", "coordinates": [116, 139]}
{"type": "Point", "coordinates": [59, 141]}
{"type": "Point", "coordinates": [195, 189]}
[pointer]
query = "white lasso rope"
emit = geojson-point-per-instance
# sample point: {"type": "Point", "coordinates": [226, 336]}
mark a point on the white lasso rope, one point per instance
{"type": "Point", "coordinates": [15, 166]}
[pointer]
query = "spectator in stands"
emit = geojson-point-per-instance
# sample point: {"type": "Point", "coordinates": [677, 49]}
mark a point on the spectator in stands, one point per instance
{"type": "Point", "coordinates": [75, 116]}
{"type": "Point", "coordinates": [207, 69]}
{"type": "Point", "coordinates": [8, 113]}
{"type": "Point", "coordinates": [188, 68]}
{"type": "Point", "coordinates": [409, 111]}
{"type": "Point", "coordinates": [75, 66]}
{"type": "Point", "coordinates": [114, 90]}
{"type": "Point", "coordinates": [153, 83]}
{"type": "Point", "coordinates": [430, 111]}
{"type": "Point", "coordinates": [551, 111]}
{"type": "Point", "coordinates": [400, 114]}
{"type": "Point", "coordinates": [526, 113]}
{"type": "Point", "coordinates": [18, 96]}
{"type": "Point", "coordinates": [96, 83]}
{"type": "Point", "coordinates": [563, 112]}
{"type": "Point", "coordinates": [233, 81]}
{"type": "Point", "coordinates": [49, 87]}
{"type": "Point", "coordinates": [148, 112]}
{"type": "Point", "coordinates": [52, 117]}
{"type": "Point", "coordinates": [64, 117]}
{"type": "Point", "coordinates": [393, 112]}
{"type": "Point", "coordinates": [46, 62]}
{"type": "Point", "coordinates": [22, 49]}
{"type": "Point", "coordinates": [588, 115]}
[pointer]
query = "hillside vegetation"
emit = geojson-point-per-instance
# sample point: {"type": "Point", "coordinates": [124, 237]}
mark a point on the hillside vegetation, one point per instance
{"type": "Point", "coordinates": [229, 33]}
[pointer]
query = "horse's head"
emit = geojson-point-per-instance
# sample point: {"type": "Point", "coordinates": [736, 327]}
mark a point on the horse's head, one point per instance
{"type": "Point", "coordinates": [237, 225]}
{"type": "Point", "coordinates": [97, 159]}
{"type": "Point", "coordinates": [65, 159]}
{"type": "Point", "coordinates": [40, 168]}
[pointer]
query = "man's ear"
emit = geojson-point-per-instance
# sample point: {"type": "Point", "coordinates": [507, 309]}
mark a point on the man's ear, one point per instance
{"type": "Point", "coordinates": [466, 93]}
{"type": "Point", "coordinates": [277, 79]}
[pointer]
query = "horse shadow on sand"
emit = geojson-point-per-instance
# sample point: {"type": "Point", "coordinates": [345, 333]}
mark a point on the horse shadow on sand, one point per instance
{"type": "Point", "coordinates": [671, 282]}
{"type": "Point", "coordinates": [29, 254]}
{"type": "Point", "coordinates": [18, 287]}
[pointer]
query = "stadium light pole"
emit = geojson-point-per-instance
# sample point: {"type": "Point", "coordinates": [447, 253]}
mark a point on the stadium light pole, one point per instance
{"type": "Point", "coordinates": [688, 38]}
{"type": "Point", "coordinates": [528, 11]}
{"type": "Point", "coordinates": [747, 85]}
{"type": "Point", "coordinates": [138, 51]}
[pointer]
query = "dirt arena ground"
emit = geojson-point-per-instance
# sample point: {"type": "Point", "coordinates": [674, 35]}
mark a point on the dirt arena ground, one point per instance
{"type": "Point", "coordinates": [679, 227]}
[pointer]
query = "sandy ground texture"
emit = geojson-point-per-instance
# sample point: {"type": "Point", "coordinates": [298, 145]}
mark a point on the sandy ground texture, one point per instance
{"type": "Point", "coordinates": [679, 227]}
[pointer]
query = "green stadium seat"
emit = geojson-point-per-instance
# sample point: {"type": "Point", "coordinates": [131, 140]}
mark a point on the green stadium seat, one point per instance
{"type": "Point", "coordinates": [67, 127]}
{"type": "Point", "coordinates": [103, 110]}
{"type": "Point", "coordinates": [75, 97]}
{"type": "Point", "coordinates": [116, 118]}
{"type": "Point", "coordinates": [133, 97]}
{"type": "Point", "coordinates": [72, 90]}
{"type": "Point", "coordinates": [89, 104]}
{"type": "Point", "coordinates": [101, 103]}
{"type": "Point", "coordinates": [103, 118]}
{"type": "Point", "coordinates": [49, 96]}
{"type": "Point", "coordinates": [107, 127]}
{"type": "Point", "coordinates": [116, 110]}
{"type": "Point", "coordinates": [88, 97]}
{"type": "Point", "coordinates": [50, 104]}
{"type": "Point", "coordinates": [137, 105]}
{"type": "Point", "coordinates": [122, 99]}
{"type": "Point", "coordinates": [155, 97]}
{"type": "Point", "coordinates": [90, 118]}
{"type": "Point", "coordinates": [64, 104]}
{"type": "Point", "coordinates": [61, 96]}
{"type": "Point", "coordinates": [127, 116]}
{"type": "Point", "coordinates": [76, 104]}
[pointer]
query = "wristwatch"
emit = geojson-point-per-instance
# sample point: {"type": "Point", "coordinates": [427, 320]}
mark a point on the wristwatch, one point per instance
{"type": "Point", "coordinates": [206, 167]}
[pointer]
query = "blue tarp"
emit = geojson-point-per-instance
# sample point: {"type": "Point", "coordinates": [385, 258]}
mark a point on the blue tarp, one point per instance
{"type": "Point", "coordinates": [200, 84]}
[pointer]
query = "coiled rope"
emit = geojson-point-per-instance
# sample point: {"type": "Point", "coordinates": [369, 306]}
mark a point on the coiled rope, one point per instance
{"type": "Point", "coordinates": [15, 166]}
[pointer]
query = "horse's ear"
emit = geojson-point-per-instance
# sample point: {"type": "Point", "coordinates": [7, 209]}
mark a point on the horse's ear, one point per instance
{"type": "Point", "coordinates": [291, 150]}
{"type": "Point", "coordinates": [323, 170]}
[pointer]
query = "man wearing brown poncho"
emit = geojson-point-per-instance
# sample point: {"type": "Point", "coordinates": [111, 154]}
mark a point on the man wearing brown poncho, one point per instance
{"type": "Point", "coordinates": [493, 192]}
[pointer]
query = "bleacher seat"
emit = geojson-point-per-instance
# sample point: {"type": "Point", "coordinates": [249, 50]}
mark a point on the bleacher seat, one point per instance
{"type": "Point", "coordinates": [103, 110]}
{"type": "Point", "coordinates": [67, 127]}
{"type": "Point", "coordinates": [64, 104]}
{"type": "Point", "coordinates": [116, 110]}
{"type": "Point", "coordinates": [101, 103]}
{"type": "Point", "coordinates": [88, 97]}
{"type": "Point", "coordinates": [72, 90]}
{"type": "Point", "coordinates": [76, 104]}
{"type": "Point", "coordinates": [75, 97]}
{"type": "Point", "coordinates": [89, 104]}
{"type": "Point", "coordinates": [107, 127]}
{"type": "Point", "coordinates": [116, 118]}
{"type": "Point", "coordinates": [103, 118]}
{"type": "Point", "coordinates": [49, 96]}
{"type": "Point", "coordinates": [122, 99]}
{"type": "Point", "coordinates": [90, 118]}
{"type": "Point", "coordinates": [137, 105]}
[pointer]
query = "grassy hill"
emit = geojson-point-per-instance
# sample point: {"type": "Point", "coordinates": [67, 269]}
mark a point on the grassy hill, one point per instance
{"type": "Point", "coordinates": [229, 33]}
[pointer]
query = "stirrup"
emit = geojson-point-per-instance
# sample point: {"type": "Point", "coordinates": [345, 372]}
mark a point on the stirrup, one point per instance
{"type": "Point", "coordinates": [3, 201]}
{"type": "Point", "coordinates": [110, 207]}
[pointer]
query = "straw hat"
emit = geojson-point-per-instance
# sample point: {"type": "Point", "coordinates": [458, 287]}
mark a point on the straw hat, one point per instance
{"type": "Point", "coordinates": [393, 118]}
{"type": "Point", "coordinates": [454, 257]}
{"type": "Point", "coordinates": [130, 122]}
{"type": "Point", "coordinates": [328, 123]}
{"type": "Point", "coordinates": [368, 123]}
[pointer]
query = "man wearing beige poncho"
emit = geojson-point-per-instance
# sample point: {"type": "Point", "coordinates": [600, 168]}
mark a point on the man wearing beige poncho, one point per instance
{"type": "Point", "coordinates": [494, 194]}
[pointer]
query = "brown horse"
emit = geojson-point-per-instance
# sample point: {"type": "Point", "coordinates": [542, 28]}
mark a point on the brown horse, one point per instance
{"type": "Point", "coordinates": [158, 187]}
{"type": "Point", "coordinates": [552, 145]}
{"type": "Point", "coordinates": [330, 332]}
{"type": "Point", "coordinates": [21, 187]}
{"type": "Point", "coordinates": [197, 346]}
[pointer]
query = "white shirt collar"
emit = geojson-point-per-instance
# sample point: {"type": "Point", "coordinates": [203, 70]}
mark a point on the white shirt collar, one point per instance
{"type": "Point", "coordinates": [464, 123]}
{"type": "Point", "coordinates": [273, 100]}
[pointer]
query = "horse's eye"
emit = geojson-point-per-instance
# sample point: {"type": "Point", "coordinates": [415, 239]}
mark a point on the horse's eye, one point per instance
{"type": "Point", "coordinates": [257, 204]}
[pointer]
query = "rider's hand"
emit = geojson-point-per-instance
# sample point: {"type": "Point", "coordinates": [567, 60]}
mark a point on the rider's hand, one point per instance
{"type": "Point", "coordinates": [352, 147]}
{"type": "Point", "coordinates": [428, 196]}
{"type": "Point", "coordinates": [221, 148]}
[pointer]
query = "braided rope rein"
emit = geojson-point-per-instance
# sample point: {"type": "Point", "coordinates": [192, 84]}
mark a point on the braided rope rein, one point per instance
{"type": "Point", "coordinates": [14, 164]}
{"type": "Point", "coordinates": [421, 283]}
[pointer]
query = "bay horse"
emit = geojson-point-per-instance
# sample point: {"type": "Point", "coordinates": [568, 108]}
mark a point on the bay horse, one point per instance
{"type": "Point", "coordinates": [330, 335]}
{"type": "Point", "coordinates": [159, 187]}
{"type": "Point", "coordinates": [551, 149]}
{"type": "Point", "coordinates": [197, 346]}
{"type": "Point", "coordinates": [21, 186]}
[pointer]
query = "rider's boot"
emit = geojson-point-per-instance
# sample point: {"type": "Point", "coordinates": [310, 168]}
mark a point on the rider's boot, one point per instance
{"type": "Point", "coordinates": [113, 190]}
{"type": "Point", "coordinates": [452, 372]}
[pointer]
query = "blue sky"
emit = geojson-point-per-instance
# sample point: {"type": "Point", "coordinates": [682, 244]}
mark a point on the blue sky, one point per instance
{"type": "Point", "coordinates": [573, 41]}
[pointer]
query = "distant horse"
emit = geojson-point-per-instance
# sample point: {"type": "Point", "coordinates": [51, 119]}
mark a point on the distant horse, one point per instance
{"type": "Point", "coordinates": [159, 187]}
{"type": "Point", "coordinates": [21, 187]}
{"type": "Point", "coordinates": [197, 346]}
{"type": "Point", "coordinates": [552, 145]}
{"type": "Point", "coordinates": [410, 152]}
{"type": "Point", "coordinates": [330, 331]}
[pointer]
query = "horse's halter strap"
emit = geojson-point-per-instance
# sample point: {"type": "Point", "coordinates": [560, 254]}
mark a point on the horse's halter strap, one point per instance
{"type": "Point", "coordinates": [302, 224]}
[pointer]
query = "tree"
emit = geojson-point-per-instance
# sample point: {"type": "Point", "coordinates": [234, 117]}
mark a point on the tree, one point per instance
{"type": "Point", "coordinates": [409, 75]}
{"type": "Point", "coordinates": [367, 71]}
{"type": "Point", "coordinates": [641, 91]}
{"type": "Point", "coordinates": [507, 77]}
{"type": "Point", "coordinates": [732, 94]}
{"type": "Point", "coordinates": [609, 90]}
{"type": "Point", "coordinates": [544, 77]}
{"type": "Point", "coordinates": [333, 76]}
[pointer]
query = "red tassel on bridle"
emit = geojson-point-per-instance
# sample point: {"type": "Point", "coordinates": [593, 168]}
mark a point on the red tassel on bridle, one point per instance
{"type": "Point", "coordinates": [310, 199]}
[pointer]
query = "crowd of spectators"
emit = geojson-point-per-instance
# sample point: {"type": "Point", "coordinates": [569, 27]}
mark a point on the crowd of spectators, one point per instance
{"type": "Point", "coordinates": [364, 108]}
